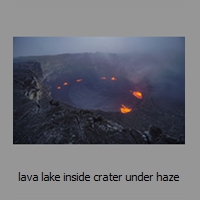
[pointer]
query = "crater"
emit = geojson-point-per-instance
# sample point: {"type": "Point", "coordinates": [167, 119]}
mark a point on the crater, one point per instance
{"type": "Point", "coordinates": [95, 91]}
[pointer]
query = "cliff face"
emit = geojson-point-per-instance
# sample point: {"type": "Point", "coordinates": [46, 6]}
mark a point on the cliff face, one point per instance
{"type": "Point", "coordinates": [39, 119]}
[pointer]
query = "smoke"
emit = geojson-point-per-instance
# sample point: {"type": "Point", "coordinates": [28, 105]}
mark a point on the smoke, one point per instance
{"type": "Point", "coordinates": [164, 71]}
{"type": "Point", "coordinates": [160, 61]}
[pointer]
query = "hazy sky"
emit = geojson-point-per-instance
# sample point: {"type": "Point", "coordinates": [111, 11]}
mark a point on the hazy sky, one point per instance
{"type": "Point", "coordinates": [25, 46]}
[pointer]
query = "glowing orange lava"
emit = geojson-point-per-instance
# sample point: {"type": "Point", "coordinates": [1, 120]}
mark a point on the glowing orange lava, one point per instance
{"type": "Point", "coordinates": [79, 80]}
{"type": "Point", "coordinates": [103, 78]}
{"type": "Point", "coordinates": [137, 94]}
{"type": "Point", "coordinates": [125, 109]}
{"type": "Point", "coordinates": [65, 83]}
{"type": "Point", "coordinates": [113, 78]}
{"type": "Point", "coordinates": [58, 87]}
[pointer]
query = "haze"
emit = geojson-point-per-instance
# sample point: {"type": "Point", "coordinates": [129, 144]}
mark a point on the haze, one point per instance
{"type": "Point", "coordinates": [29, 46]}
{"type": "Point", "coordinates": [160, 60]}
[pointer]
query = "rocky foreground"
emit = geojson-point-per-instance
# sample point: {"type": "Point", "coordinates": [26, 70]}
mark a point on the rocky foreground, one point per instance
{"type": "Point", "coordinates": [39, 119]}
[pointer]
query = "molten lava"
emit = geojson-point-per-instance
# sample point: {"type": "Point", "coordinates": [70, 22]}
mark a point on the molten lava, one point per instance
{"type": "Point", "coordinates": [79, 80]}
{"type": "Point", "coordinates": [103, 78]}
{"type": "Point", "coordinates": [125, 109]}
{"type": "Point", "coordinates": [65, 83]}
{"type": "Point", "coordinates": [58, 87]}
{"type": "Point", "coordinates": [137, 94]}
{"type": "Point", "coordinates": [113, 78]}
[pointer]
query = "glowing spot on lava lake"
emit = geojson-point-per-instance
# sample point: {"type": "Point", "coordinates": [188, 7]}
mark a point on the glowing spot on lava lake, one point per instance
{"type": "Point", "coordinates": [113, 78]}
{"type": "Point", "coordinates": [137, 94]}
{"type": "Point", "coordinates": [58, 87]}
{"type": "Point", "coordinates": [125, 109]}
{"type": "Point", "coordinates": [103, 78]}
{"type": "Point", "coordinates": [79, 80]}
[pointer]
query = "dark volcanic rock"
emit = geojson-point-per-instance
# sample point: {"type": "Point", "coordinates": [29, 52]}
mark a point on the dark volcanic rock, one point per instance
{"type": "Point", "coordinates": [39, 119]}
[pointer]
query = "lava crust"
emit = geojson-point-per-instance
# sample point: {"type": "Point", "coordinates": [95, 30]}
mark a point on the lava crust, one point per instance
{"type": "Point", "coordinates": [93, 92]}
